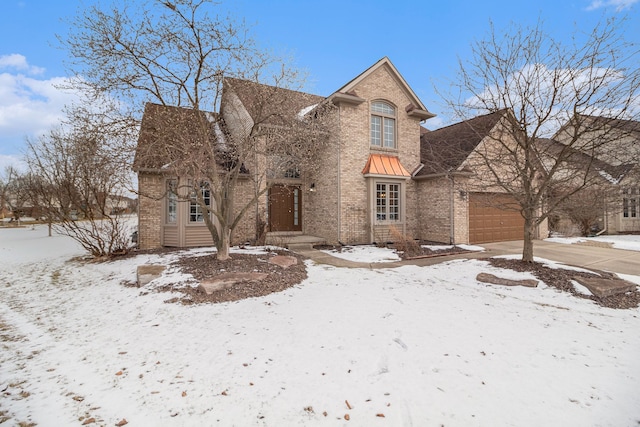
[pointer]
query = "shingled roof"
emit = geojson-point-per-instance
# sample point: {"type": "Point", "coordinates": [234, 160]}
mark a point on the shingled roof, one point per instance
{"type": "Point", "coordinates": [445, 149]}
{"type": "Point", "coordinates": [631, 126]}
{"type": "Point", "coordinates": [269, 104]}
{"type": "Point", "coordinates": [611, 173]}
{"type": "Point", "coordinates": [166, 132]}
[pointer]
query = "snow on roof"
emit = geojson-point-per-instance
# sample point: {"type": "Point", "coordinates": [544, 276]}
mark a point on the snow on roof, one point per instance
{"type": "Point", "coordinates": [305, 110]}
{"type": "Point", "coordinates": [611, 179]}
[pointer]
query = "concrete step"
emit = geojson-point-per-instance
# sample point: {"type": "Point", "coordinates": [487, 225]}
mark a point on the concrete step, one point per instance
{"type": "Point", "coordinates": [300, 246]}
{"type": "Point", "coordinates": [290, 241]}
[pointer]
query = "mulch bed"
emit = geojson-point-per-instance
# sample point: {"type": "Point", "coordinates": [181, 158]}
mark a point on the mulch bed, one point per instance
{"type": "Point", "coordinates": [207, 267]}
{"type": "Point", "coordinates": [419, 252]}
{"type": "Point", "coordinates": [428, 253]}
{"type": "Point", "coordinates": [561, 279]}
{"type": "Point", "coordinates": [279, 279]}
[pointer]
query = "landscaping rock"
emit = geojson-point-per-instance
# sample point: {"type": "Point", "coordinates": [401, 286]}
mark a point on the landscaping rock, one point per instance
{"type": "Point", "coordinates": [283, 261]}
{"type": "Point", "coordinates": [490, 278]}
{"type": "Point", "coordinates": [605, 287]}
{"type": "Point", "coordinates": [146, 273]}
{"type": "Point", "coordinates": [226, 280]}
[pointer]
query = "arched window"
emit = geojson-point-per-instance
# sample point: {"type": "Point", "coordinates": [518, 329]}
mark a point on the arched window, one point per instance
{"type": "Point", "coordinates": [383, 125]}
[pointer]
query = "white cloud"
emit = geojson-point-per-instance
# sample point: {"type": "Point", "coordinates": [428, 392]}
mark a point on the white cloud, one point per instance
{"type": "Point", "coordinates": [434, 123]}
{"type": "Point", "coordinates": [535, 88]}
{"type": "Point", "coordinates": [619, 5]}
{"type": "Point", "coordinates": [28, 106]}
{"type": "Point", "coordinates": [12, 160]}
{"type": "Point", "coordinates": [19, 62]}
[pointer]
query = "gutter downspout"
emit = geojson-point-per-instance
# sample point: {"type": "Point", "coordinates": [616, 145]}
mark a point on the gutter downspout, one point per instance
{"type": "Point", "coordinates": [452, 219]}
{"type": "Point", "coordinates": [339, 174]}
{"type": "Point", "coordinates": [606, 220]}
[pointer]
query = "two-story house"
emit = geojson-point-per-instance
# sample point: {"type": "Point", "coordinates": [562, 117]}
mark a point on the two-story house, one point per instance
{"type": "Point", "coordinates": [370, 181]}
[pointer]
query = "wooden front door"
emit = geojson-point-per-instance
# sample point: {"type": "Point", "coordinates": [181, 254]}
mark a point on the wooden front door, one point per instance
{"type": "Point", "coordinates": [285, 208]}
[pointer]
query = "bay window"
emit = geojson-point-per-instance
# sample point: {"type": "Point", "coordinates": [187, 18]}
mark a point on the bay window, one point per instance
{"type": "Point", "coordinates": [387, 202]}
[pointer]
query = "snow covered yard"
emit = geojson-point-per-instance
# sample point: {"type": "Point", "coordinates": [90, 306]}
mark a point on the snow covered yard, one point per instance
{"type": "Point", "coordinates": [410, 346]}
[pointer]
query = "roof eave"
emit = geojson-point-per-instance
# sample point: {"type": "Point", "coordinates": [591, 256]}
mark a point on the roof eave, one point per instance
{"type": "Point", "coordinates": [443, 174]}
{"type": "Point", "coordinates": [339, 98]}
{"type": "Point", "coordinates": [421, 114]}
{"type": "Point", "coordinates": [162, 171]}
{"type": "Point", "coordinates": [386, 176]}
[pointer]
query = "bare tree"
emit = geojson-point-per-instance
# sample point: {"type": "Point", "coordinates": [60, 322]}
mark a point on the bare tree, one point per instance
{"type": "Point", "coordinates": [545, 84]}
{"type": "Point", "coordinates": [43, 195]}
{"type": "Point", "coordinates": [5, 180]}
{"type": "Point", "coordinates": [13, 192]}
{"type": "Point", "coordinates": [587, 208]}
{"type": "Point", "coordinates": [74, 172]}
{"type": "Point", "coordinates": [178, 54]}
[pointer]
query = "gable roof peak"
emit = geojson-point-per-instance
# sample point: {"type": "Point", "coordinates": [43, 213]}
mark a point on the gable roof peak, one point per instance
{"type": "Point", "coordinates": [420, 110]}
{"type": "Point", "coordinates": [266, 103]}
{"type": "Point", "coordinates": [445, 149]}
{"type": "Point", "coordinates": [488, 117]}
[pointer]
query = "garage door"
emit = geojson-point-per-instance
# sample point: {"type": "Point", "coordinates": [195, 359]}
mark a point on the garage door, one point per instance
{"type": "Point", "coordinates": [490, 220]}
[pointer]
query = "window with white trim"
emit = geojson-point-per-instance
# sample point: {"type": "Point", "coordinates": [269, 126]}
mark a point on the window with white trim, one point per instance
{"type": "Point", "coordinates": [387, 202]}
{"type": "Point", "coordinates": [196, 212]}
{"type": "Point", "coordinates": [383, 125]}
{"type": "Point", "coordinates": [631, 202]}
{"type": "Point", "coordinates": [172, 201]}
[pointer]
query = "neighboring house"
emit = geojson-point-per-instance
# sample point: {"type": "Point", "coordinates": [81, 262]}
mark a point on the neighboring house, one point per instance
{"type": "Point", "coordinates": [375, 179]}
{"type": "Point", "coordinates": [612, 147]}
{"type": "Point", "coordinates": [118, 204]}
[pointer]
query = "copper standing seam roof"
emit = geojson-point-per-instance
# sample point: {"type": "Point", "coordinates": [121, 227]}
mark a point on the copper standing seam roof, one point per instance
{"type": "Point", "coordinates": [384, 164]}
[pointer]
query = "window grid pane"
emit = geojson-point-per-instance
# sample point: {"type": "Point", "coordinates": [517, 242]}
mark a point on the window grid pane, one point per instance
{"type": "Point", "coordinates": [625, 207]}
{"type": "Point", "coordinates": [394, 202]}
{"type": "Point", "coordinates": [381, 206]}
{"type": "Point", "coordinates": [389, 133]}
{"type": "Point", "coordinates": [383, 107]}
{"type": "Point", "coordinates": [376, 131]}
{"type": "Point", "coordinates": [388, 202]}
{"type": "Point", "coordinates": [631, 202]}
{"type": "Point", "coordinates": [195, 210]}
{"type": "Point", "coordinates": [172, 201]}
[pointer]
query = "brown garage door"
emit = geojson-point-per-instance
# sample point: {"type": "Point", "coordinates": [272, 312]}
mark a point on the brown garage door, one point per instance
{"type": "Point", "coordinates": [490, 220]}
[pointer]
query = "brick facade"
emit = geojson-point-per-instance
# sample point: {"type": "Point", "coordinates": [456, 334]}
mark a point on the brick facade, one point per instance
{"type": "Point", "coordinates": [342, 207]}
{"type": "Point", "coordinates": [443, 207]}
{"type": "Point", "coordinates": [151, 191]}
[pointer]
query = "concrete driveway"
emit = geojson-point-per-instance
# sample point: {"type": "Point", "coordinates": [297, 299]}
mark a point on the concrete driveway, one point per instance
{"type": "Point", "coordinates": [600, 258]}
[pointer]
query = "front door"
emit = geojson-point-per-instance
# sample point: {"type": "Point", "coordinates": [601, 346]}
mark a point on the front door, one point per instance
{"type": "Point", "coordinates": [285, 208]}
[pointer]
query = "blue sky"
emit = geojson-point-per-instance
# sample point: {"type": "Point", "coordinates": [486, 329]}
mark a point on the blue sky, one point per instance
{"type": "Point", "coordinates": [333, 40]}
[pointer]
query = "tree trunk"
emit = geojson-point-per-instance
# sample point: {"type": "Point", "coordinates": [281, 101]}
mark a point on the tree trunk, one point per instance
{"type": "Point", "coordinates": [223, 243]}
{"type": "Point", "coordinates": [529, 232]}
{"type": "Point", "coordinates": [50, 226]}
